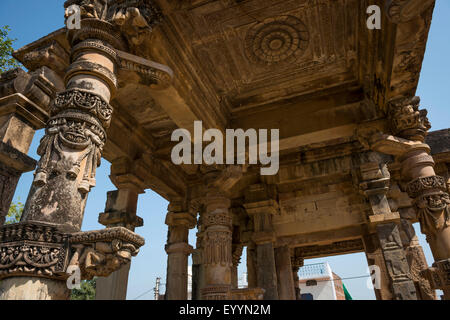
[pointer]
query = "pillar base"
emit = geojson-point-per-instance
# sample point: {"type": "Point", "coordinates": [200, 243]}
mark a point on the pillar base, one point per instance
{"type": "Point", "coordinates": [31, 288]}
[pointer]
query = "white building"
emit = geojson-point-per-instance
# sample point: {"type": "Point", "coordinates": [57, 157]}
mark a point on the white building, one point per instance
{"type": "Point", "coordinates": [318, 282]}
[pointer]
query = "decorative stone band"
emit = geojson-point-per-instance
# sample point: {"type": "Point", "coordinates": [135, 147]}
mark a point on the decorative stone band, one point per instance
{"type": "Point", "coordinates": [79, 99]}
{"type": "Point", "coordinates": [216, 292]}
{"type": "Point", "coordinates": [421, 186]}
{"type": "Point", "coordinates": [94, 45]}
{"type": "Point", "coordinates": [41, 250]}
{"type": "Point", "coordinates": [150, 73]}
{"type": "Point", "coordinates": [439, 274]}
{"type": "Point", "coordinates": [248, 294]}
{"type": "Point", "coordinates": [223, 219]}
{"type": "Point", "coordinates": [92, 68]}
{"type": "Point", "coordinates": [97, 29]}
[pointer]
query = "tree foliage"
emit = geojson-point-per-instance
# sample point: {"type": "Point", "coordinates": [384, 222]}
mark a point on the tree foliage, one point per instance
{"type": "Point", "coordinates": [86, 291]}
{"type": "Point", "coordinates": [6, 49]}
{"type": "Point", "coordinates": [14, 212]}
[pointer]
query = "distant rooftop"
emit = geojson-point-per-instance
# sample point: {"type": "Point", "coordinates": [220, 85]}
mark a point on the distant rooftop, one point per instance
{"type": "Point", "coordinates": [316, 270]}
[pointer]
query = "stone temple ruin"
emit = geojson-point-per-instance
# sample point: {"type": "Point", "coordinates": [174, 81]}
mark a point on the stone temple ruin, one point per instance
{"type": "Point", "coordinates": [357, 164]}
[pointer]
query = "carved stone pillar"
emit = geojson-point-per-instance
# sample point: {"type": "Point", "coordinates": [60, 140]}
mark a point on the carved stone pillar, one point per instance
{"type": "Point", "coordinates": [70, 153]}
{"type": "Point", "coordinates": [416, 260]}
{"type": "Point", "coordinates": [178, 251]}
{"type": "Point", "coordinates": [217, 246]}
{"type": "Point", "coordinates": [261, 205]}
{"type": "Point", "coordinates": [384, 224]}
{"type": "Point", "coordinates": [428, 190]}
{"type": "Point", "coordinates": [286, 290]}
{"type": "Point", "coordinates": [19, 118]}
{"type": "Point", "coordinates": [120, 211]}
{"type": "Point", "coordinates": [296, 262]}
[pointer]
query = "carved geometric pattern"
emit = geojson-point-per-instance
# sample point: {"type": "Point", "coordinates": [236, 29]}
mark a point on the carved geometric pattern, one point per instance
{"type": "Point", "coordinates": [420, 185]}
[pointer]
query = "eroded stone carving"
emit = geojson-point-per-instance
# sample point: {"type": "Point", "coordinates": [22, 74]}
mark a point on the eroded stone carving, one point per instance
{"type": "Point", "coordinates": [407, 120]}
{"type": "Point", "coordinates": [404, 10]}
{"type": "Point", "coordinates": [134, 18]}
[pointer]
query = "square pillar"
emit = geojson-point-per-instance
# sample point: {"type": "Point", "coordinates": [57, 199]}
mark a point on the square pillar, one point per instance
{"type": "Point", "coordinates": [261, 204]}
{"type": "Point", "coordinates": [286, 290]}
{"type": "Point", "coordinates": [120, 211]}
{"type": "Point", "coordinates": [178, 251]}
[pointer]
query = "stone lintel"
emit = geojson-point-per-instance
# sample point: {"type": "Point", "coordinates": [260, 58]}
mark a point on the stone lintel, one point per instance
{"type": "Point", "coordinates": [26, 109]}
{"type": "Point", "coordinates": [15, 159]}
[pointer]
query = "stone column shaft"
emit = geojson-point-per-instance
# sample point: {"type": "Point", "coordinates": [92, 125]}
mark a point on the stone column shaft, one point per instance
{"type": "Point", "coordinates": [286, 290]}
{"type": "Point", "coordinates": [178, 251]}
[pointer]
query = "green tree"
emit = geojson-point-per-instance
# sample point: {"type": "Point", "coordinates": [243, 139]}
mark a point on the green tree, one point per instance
{"type": "Point", "coordinates": [14, 212]}
{"type": "Point", "coordinates": [6, 49]}
{"type": "Point", "coordinates": [86, 291]}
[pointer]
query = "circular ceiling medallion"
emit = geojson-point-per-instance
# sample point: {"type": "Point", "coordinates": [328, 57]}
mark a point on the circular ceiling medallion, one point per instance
{"type": "Point", "coordinates": [276, 40]}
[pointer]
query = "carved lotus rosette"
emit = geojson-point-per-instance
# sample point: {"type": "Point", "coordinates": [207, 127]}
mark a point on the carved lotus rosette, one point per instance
{"type": "Point", "coordinates": [41, 250]}
{"type": "Point", "coordinates": [406, 120]}
{"type": "Point", "coordinates": [282, 39]}
{"type": "Point", "coordinates": [72, 136]}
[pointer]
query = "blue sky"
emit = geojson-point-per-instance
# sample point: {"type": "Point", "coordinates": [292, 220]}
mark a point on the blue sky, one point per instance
{"type": "Point", "coordinates": [31, 19]}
